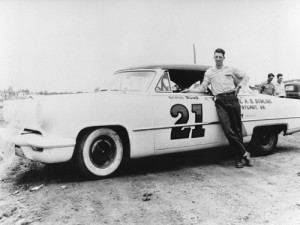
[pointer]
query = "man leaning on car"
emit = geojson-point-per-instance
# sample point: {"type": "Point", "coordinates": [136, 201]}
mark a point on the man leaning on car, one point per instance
{"type": "Point", "coordinates": [227, 104]}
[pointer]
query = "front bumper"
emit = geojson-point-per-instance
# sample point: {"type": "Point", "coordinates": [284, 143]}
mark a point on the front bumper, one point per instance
{"type": "Point", "coordinates": [45, 149]}
{"type": "Point", "coordinates": [50, 155]}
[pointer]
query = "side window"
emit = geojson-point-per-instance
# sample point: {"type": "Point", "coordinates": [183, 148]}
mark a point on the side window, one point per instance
{"type": "Point", "coordinates": [164, 84]}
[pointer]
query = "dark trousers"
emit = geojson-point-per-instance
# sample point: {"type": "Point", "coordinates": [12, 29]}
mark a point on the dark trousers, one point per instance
{"type": "Point", "coordinates": [229, 111]}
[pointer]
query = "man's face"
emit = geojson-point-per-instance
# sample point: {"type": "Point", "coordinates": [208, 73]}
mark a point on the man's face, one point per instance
{"type": "Point", "coordinates": [219, 58]}
{"type": "Point", "coordinates": [270, 79]}
{"type": "Point", "coordinates": [279, 79]}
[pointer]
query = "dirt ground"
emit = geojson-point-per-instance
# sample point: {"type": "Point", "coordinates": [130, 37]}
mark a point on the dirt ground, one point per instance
{"type": "Point", "coordinates": [200, 187]}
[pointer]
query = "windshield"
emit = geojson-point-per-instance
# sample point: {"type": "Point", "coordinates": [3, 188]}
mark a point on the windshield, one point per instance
{"type": "Point", "coordinates": [138, 81]}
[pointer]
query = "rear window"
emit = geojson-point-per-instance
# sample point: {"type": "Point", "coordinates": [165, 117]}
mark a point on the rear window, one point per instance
{"type": "Point", "coordinates": [289, 87]}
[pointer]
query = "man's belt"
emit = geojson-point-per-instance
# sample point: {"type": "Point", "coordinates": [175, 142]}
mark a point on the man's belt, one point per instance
{"type": "Point", "coordinates": [226, 94]}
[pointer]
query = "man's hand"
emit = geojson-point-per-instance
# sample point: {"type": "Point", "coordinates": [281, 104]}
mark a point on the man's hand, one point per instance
{"type": "Point", "coordinates": [185, 91]}
{"type": "Point", "coordinates": [237, 90]}
{"type": "Point", "coordinates": [262, 88]}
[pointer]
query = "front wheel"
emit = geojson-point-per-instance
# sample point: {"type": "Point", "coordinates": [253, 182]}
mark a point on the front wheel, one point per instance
{"type": "Point", "coordinates": [99, 153]}
{"type": "Point", "coordinates": [264, 141]}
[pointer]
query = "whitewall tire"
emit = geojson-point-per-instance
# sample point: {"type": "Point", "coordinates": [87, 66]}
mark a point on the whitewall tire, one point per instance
{"type": "Point", "coordinates": [100, 153]}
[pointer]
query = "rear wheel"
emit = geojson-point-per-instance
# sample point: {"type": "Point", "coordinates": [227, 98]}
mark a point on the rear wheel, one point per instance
{"type": "Point", "coordinates": [100, 153]}
{"type": "Point", "coordinates": [264, 141]}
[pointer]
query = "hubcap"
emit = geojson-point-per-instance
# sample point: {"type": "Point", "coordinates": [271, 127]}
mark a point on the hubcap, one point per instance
{"type": "Point", "coordinates": [266, 140]}
{"type": "Point", "coordinates": [102, 152]}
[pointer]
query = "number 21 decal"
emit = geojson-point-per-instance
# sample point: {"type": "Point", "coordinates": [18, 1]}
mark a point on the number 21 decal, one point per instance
{"type": "Point", "coordinates": [180, 132]}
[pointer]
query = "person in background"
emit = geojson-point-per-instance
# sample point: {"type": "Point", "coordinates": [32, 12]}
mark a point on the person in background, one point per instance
{"type": "Point", "coordinates": [267, 87]}
{"type": "Point", "coordinates": [279, 86]}
{"type": "Point", "coordinates": [227, 104]}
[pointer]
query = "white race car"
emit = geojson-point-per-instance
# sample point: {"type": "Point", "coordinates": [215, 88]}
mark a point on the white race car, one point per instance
{"type": "Point", "coordinates": [142, 113]}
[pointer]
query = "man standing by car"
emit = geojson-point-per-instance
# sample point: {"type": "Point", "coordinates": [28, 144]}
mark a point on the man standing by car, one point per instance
{"type": "Point", "coordinates": [222, 79]}
{"type": "Point", "coordinates": [279, 86]}
{"type": "Point", "coordinates": [267, 87]}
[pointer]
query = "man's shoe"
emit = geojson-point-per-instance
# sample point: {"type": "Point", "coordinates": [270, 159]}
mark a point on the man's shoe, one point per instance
{"type": "Point", "coordinates": [248, 160]}
{"type": "Point", "coordinates": [239, 163]}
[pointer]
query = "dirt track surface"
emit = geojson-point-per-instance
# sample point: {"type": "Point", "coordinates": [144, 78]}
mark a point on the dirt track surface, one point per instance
{"type": "Point", "coordinates": [188, 188]}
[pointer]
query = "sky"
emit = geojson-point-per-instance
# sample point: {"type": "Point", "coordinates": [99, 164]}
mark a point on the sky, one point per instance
{"type": "Point", "coordinates": [77, 45]}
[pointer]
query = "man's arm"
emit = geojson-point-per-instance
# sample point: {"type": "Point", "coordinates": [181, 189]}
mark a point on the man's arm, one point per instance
{"type": "Point", "coordinates": [262, 88]}
{"type": "Point", "coordinates": [202, 87]}
{"type": "Point", "coordinates": [277, 89]}
{"type": "Point", "coordinates": [242, 76]}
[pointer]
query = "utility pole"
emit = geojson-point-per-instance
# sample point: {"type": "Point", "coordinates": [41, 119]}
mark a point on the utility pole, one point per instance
{"type": "Point", "coordinates": [194, 51]}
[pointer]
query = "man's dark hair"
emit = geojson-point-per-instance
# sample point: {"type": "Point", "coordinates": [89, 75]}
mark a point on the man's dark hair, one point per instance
{"type": "Point", "coordinates": [271, 75]}
{"type": "Point", "coordinates": [279, 75]}
{"type": "Point", "coordinates": [220, 50]}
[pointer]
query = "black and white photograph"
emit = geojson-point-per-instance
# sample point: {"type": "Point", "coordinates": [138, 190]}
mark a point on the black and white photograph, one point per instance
{"type": "Point", "coordinates": [147, 112]}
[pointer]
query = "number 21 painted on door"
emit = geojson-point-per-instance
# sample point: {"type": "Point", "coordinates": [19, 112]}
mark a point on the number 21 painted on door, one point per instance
{"type": "Point", "coordinates": [180, 132]}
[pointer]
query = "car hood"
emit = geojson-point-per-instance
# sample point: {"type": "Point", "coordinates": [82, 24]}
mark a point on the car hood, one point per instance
{"type": "Point", "coordinates": [61, 114]}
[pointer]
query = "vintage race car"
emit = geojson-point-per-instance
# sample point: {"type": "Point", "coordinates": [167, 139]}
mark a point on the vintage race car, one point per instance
{"type": "Point", "coordinates": [142, 113]}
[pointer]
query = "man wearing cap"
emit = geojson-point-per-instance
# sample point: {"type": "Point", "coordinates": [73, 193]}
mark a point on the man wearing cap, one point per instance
{"type": "Point", "coordinates": [222, 79]}
{"type": "Point", "coordinates": [267, 87]}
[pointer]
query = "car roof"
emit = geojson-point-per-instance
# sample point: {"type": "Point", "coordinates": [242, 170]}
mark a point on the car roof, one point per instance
{"type": "Point", "coordinates": [191, 67]}
{"type": "Point", "coordinates": [294, 81]}
{"type": "Point", "coordinates": [182, 74]}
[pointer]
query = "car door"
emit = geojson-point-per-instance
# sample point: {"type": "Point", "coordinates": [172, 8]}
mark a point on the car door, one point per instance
{"type": "Point", "coordinates": [184, 120]}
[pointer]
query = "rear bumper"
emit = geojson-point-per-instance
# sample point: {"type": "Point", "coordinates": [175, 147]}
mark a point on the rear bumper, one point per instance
{"type": "Point", "coordinates": [291, 131]}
